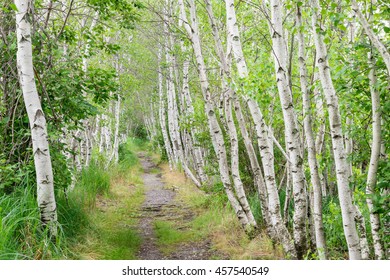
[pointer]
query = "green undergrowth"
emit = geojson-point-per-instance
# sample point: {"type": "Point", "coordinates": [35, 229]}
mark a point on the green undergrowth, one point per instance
{"type": "Point", "coordinates": [216, 220]}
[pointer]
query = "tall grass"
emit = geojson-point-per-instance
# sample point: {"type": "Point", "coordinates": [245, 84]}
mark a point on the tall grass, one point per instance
{"type": "Point", "coordinates": [21, 234]}
{"type": "Point", "coordinates": [94, 180]}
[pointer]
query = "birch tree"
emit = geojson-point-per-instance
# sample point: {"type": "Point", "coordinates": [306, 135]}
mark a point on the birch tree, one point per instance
{"type": "Point", "coordinates": [291, 126]}
{"type": "Point", "coordinates": [225, 65]}
{"type": "Point", "coordinates": [37, 120]}
{"type": "Point", "coordinates": [374, 158]}
{"type": "Point", "coordinates": [162, 116]}
{"type": "Point", "coordinates": [342, 169]}
{"type": "Point", "coordinates": [310, 142]}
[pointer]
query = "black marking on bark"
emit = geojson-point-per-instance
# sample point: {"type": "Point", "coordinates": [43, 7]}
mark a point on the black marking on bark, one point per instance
{"type": "Point", "coordinates": [275, 35]}
{"type": "Point", "coordinates": [39, 151]}
{"type": "Point", "coordinates": [37, 126]}
{"type": "Point", "coordinates": [38, 114]}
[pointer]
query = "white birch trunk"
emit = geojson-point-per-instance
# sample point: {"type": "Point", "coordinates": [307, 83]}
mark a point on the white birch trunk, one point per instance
{"type": "Point", "coordinates": [363, 242]}
{"type": "Point", "coordinates": [214, 128]}
{"type": "Point", "coordinates": [162, 116]}
{"type": "Point", "coordinates": [115, 148]}
{"type": "Point", "coordinates": [342, 172]}
{"type": "Point", "coordinates": [374, 159]}
{"type": "Point", "coordinates": [234, 44]}
{"type": "Point", "coordinates": [267, 158]}
{"type": "Point", "coordinates": [234, 163]}
{"type": "Point", "coordinates": [258, 176]}
{"type": "Point", "coordinates": [198, 157]}
{"type": "Point", "coordinates": [171, 97]}
{"type": "Point", "coordinates": [234, 39]}
{"type": "Point", "coordinates": [310, 142]}
{"type": "Point", "coordinates": [320, 137]}
{"type": "Point", "coordinates": [41, 153]}
{"type": "Point", "coordinates": [291, 127]}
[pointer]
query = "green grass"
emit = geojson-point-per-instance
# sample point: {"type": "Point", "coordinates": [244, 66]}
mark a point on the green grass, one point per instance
{"type": "Point", "coordinates": [21, 234]}
{"type": "Point", "coordinates": [168, 238]}
{"type": "Point", "coordinates": [94, 180]}
{"type": "Point", "coordinates": [111, 234]}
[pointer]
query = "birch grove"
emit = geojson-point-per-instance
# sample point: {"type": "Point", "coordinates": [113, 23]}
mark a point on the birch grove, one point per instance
{"type": "Point", "coordinates": [269, 119]}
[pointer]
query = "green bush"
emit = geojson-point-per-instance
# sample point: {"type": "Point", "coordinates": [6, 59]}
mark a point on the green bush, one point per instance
{"type": "Point", "coordinates": [334, 232]}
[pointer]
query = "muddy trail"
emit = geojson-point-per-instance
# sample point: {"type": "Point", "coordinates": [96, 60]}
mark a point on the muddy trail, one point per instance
{"type": "Point", "coordinates": [160, 204]}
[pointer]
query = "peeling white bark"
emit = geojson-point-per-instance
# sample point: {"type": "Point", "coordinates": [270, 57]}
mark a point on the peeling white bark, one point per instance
{"type": "Point", "coordinates": [197, 152]}
{"type": "Point", "coordinates": [374, 159]}
{"type": "Point", "coordinates": [214, 128]}
{"type": "Point", "coordinates": [41, 153]}
{"type": "Point", "coordinates": [291, 127]}
{"type": "Point", "coordinates": [162, 116]}
{"type": "Point", "coordinates": [310, 142]}
{"type": "Point", "coordinates": [228, 100]}
{"type": "Point", "coordinates": [234, 38]}
{"type": "Point", "coordinates": [267, 157]}
{"type": "Point", "coordinates": [342, 172]}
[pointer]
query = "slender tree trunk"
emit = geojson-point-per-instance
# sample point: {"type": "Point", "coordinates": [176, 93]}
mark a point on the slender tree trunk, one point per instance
{"type": "Point", "coordinates": [374, 159]}
{"type": "Point", "coordinates": [267, 157]}
{"type": "Point", "coordinates": [162, 116]}
{"type": "Point", "coordinates": [115, 148]}
{"type": "Point", "coordinates": [39, 136]}
{"type": "Point", "coordinates": [258, 176]}
{"type": "Point", "coordinates": [347, 208]}
{"type": "Point", "coordinates": [234, 151]}
{"type": "Point", "coordinates": [214, 128]}
{"type": "Point", "coordinates": [234, 38]}
{"type": "Point", "coordinates": [291, 127]}
{"type": "Point", "coordinates": [228, 100]}
{"type": "Point", "coordinates": [310, 142]}
{"type": "Point", "coordinates": [197, 152]}
{"type": "Point", "coordinates": [173, 111]}
{"type": "Point", "coordinates": [320, 137]}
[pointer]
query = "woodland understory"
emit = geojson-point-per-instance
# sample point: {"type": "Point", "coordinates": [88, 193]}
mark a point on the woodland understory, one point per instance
{"type": "Point", "coordinates": [276, 110]}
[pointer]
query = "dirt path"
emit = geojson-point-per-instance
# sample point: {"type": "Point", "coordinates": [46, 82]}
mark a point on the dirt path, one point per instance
{"type": "Point", "coordinates": [160, 204]}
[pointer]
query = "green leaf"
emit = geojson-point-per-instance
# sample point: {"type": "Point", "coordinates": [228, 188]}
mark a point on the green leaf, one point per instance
{"type": "Point", "coordinates": [13, 7]}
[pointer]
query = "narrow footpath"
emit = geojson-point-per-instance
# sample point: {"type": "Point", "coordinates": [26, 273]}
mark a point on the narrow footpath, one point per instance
{"type": "Point", "coordinates": [160, 204]}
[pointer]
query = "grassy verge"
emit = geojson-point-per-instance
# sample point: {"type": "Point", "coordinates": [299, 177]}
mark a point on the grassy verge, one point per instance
{"type": "Point", "coordinates": [213, 220]}
{"type": "Point", "coordinates": [111, 233]}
